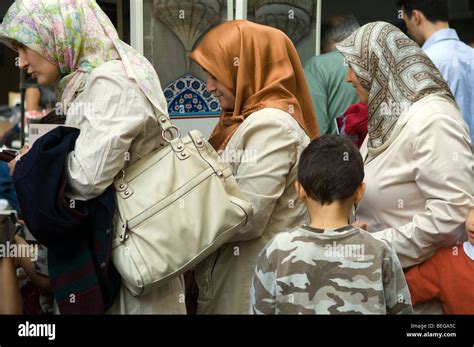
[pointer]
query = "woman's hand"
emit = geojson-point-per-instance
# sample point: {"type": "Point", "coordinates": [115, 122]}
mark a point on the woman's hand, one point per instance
{"type": "Point", "coordinates": [21, 153]}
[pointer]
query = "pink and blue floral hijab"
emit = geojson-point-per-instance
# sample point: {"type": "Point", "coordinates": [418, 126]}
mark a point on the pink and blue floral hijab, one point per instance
{"type": "Point", "coordinates": [77, 36]}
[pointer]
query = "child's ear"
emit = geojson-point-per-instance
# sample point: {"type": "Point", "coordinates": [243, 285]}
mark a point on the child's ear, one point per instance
{"type": "Point", "coordinates": [300, 191]}
{"type": "Point", "coordinates": [359, 194]}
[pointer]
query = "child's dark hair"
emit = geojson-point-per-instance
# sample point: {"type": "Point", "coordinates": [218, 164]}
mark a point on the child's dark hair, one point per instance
{"type": "Point", "coordinates": [330, 169]}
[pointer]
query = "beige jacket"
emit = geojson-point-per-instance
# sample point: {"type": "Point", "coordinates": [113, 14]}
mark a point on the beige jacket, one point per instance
{"type": "Point", "coordinates": [263, 155]}
{"type": "Point", "coordinates": [118, 127]}
{"type": "Point", "coordinates": [420, 188]}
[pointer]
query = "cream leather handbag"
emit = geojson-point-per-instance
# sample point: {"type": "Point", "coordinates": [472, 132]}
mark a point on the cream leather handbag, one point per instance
{"type": "Point", "coordinates": [175, 207]}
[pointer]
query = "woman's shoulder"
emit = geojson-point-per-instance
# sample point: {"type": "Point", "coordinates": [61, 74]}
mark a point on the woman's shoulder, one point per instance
{"type": "Point", "coordinates": [270, 112]}
{"type": "Point", "coordinates": [113, 71]}
{"type": "Point", "coordinates": [271, 122]}
{"type": "Point", "coordinates": [273, 117]}
{"type": "Point", "coordinates": [435, 114]}
{"type": "Point", "coordinates": [111, 83]}
{"type": "Point", "coordinates": [435, 107]}
{"type": "Point", "coordinates": [111, 79]}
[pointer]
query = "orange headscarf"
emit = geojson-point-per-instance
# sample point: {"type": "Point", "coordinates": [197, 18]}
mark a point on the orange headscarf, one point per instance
{"type": "Point", "coordinates": [260, 65]}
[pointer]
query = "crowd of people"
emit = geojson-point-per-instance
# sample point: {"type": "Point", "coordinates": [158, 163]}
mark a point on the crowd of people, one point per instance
{"type": "Point", "coordinates": [362, 186]}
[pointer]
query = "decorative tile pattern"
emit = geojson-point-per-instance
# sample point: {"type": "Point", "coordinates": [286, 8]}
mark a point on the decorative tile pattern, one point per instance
{"type": "Point", "coordinates": [187, 96]}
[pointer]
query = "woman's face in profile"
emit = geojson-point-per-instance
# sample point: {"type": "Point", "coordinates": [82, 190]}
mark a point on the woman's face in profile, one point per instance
{"type": "Point", "coordinates": [362, 93]}
{"type": "Point", "coordinates": [41, 69]}
{"type": "Point", "coordinates": [225, 96]}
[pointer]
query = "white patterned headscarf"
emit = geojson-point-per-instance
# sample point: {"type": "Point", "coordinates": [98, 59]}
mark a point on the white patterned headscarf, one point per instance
{"type": "Point", "coordinates": [395, 72]}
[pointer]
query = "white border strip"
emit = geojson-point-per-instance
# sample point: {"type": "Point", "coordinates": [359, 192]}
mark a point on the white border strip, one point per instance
{"type": "Point", "coordinates": [230, 10]}
{"type": "Point", "coordinates": [319, 4]}
{"type": "Point", "coordinates": [136, 25]}
{"type": "Point", "coordinates": [241, 9]}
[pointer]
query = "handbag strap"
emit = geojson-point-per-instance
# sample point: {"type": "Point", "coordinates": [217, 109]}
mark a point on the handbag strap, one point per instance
{"type": "Point", "coordinates": [169, 132]}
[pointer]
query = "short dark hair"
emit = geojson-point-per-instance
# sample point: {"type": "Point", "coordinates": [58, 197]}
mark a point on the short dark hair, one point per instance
{"type": "Point", "coordinates": [330, 169]}
{"type": "Point", "coordinates": [433, 10]}
{"type": "Point", "coordinates": [338, 28]}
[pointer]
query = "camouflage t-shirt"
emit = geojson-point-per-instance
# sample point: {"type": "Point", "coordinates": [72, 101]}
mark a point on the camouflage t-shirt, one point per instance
{"type": "Point", "coordinates": [342, 271]}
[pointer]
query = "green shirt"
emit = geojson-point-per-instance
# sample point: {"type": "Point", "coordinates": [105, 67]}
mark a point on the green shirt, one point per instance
{"type": "Point", "coordinates": [330, 93]}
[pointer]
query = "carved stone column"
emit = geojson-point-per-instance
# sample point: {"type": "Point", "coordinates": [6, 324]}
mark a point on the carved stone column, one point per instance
{"type": "Point", "coordinates": [293, 17]}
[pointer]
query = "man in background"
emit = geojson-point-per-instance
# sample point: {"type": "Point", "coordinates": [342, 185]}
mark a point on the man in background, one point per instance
{"type": "Point", "coordinates": [325, 74]}
{"type": "Point", "coordinates": [427, 23]}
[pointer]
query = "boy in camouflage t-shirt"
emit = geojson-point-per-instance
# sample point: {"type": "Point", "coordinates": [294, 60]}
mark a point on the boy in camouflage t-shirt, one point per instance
{"type": "Point", "coordinates": [329, 267]}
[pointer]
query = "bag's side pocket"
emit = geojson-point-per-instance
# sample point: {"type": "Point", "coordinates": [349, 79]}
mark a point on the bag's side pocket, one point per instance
{"type": "Point", "coordinates": [124, 257]}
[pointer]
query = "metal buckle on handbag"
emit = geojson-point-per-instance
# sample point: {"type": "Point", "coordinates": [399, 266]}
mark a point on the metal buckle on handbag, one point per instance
{"type": "Point", "coordinates": [120, 183]}
{"type": "Point", "coordinates": [170, 131]}
{"type": "Point", "coordinates": [123, 232]}
{"type": "Point", "coordinates": [122, 187]}
{"type": "Point", "coordinates": [175, 141]}
{"type": "Point", "coordinates": [198, 141]}
{"type": "Point", "coordinates": [179, 148]}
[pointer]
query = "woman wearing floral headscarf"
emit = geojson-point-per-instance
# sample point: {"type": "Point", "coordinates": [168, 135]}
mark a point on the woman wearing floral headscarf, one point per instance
{"type": "Point", "coordinates": [107, 89]}
{"type": "Point", "coordinates": [266, 123]}
{"type": "Point", "coordinates": [418, 160]}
